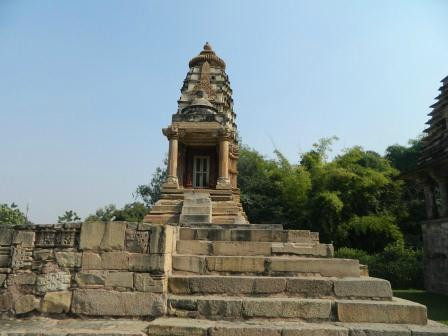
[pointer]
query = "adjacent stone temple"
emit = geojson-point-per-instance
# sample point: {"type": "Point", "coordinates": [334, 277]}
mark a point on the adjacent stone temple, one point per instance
{"type": "Point", "coordinates": [195, 266]}
{"type": "Point", "coordinates": [203, 149]}
{"type": "Point", "coordinates": [432, 173]}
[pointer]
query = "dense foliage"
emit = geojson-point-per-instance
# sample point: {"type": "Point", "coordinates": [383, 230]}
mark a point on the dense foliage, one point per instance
{"type": "Point", "coordinates": [11, 215]}
{"type": "Point", "coordinates": [69, 216]}
{"type": "Point", "coordinates": [359, 201]}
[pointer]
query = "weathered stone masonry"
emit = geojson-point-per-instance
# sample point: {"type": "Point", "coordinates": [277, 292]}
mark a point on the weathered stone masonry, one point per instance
{"type": "Point", "coordinates": [93, 269]}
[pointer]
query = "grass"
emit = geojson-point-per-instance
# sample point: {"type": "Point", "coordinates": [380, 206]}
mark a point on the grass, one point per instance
{"type": "Point", "coordinates": [437, 304]}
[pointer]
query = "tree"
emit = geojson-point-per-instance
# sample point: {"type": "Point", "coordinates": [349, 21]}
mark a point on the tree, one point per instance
{"type": "Point", "coordinates": [11, 215]}
{"type": "Point", "coordinates": [106, 214]}
{"type": "Point", "coordinates": [69, 216]}
{"type": "Point", "coordinates": [150, 193]}
{"type": "Point", "coordinates": [133, 212]}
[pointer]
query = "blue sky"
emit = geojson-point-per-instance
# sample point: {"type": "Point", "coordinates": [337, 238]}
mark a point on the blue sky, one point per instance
{"type": "Point", "coordinates": [86, 86]}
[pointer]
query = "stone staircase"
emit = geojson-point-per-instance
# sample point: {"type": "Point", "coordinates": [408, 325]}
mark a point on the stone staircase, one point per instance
{"type": "Point", "coordinates": [259, 280]}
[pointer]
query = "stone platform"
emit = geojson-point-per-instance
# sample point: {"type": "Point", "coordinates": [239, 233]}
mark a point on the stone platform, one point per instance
{"type": "Point", "coordinates": [188, 327]}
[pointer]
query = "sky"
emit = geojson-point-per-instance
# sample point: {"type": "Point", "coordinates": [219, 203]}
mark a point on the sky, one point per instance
{"type": "Point", "coordinates": [86, 86]}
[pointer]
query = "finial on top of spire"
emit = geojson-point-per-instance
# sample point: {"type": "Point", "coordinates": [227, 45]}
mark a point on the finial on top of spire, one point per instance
{"type": "Point", "coordinates": [207, 46]}
{"type": "Point", "coordinates": [207, 55]}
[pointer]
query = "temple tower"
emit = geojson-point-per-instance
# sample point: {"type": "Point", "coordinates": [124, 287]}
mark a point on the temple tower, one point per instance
{"type": "Point", "coordinates": [203, 150]}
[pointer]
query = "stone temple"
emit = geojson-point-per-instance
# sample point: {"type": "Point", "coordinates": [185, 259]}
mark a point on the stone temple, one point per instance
{"type": "Point", "coordinates": [195, 266]}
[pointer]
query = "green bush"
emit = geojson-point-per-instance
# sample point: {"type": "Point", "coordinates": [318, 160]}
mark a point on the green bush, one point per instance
{"type": "Point", "coordinates": [401, 265]}
{"type": "Point", "coordinates": [369, 233]}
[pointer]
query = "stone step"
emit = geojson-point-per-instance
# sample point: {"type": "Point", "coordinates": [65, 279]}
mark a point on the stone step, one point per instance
{"type": "Point", "coordinates": [187, 218]}
{"type": "Point", "coordinates": [196, 210]}
{"type": "Point", "coordinates": [174, 326]}
{"type": "Point", "coordinates": [221, 307]}
{"type": "Point", "coordinates": [261, 265]}
{"type": "Point", "coordinates": [251, 232]}
{"type": "Point", "coordinates": [313, 310]}
{"type": "Point", "coordinates": [305, 287]}
{"type": "Point", "coordinates": [220, 227]}
{"type": "Point", "coordinates": [249, 248]}
{"type": "Point", "coordinates": [169, 326]}
{"type": "Point", "coordinates": [226, 211]}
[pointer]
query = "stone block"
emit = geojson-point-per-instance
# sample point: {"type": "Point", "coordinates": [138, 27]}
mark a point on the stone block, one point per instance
{"type": "Point", "coordinates": [232, 248]}
{"type": "Point", "coordinates": [316, 329]}
{"type": "Point", "coordinates": [5, 260]}
{"type": "Point", "coordinates": [90, 278]}
{"type": "Point", "coordinates": [102, 236]}
{"type": "Point", "coordinates": [143, 282]}
{"type": "Point", "coordinates": [287, 308]}
{"type": "Point", "coordinates": [25, 304]}
{"type": "Point", "coordinates": [162, 239]}
{"type": "Point", "coordinates": [51, 282]}
{"type": "Point", "coordinates": [68, 259]}
{"type": "Point", "coordinates": [2, 279]}
{"type": "Point", "coordinates": [97, 302]}
{"type": "Point", "coordinates": [244, 330]}
{"type": "Point", "coordinates": [42, 254]}
{"type": "Point", "coordinates": [235, 264]}
{"type": "Point", "coordinates": [105, 261]}
{"type": "Point", "coordinates": [91, 235]}
{"type": "Point", "coordinates": [91, 261]}
{"type": "Point", "coordinates": [362, 287]}
{"type": "Point", "coordinates": [269, 285]}
{"type": "Point", "coordinates": [194, 264]}
{"type": "Point", "coordinates": [22, 279]}
{"type": "Point", "coordinates": [431, 329]}
{"type": "Point", "coordinates": [114, 236]}
{"type": "Point", "coordinates": [6, 235]}
{"type": "Point", "coordinates": [137, 241]}
{"type": "Point", "coordinates": [318, 266]}
{"type": "Point", "coordinates": [179, 285]}
{"type": "Point", "coordinates": [397, 311]}
{"type": "Point", "coordinates": [115, 260]}
{"type": "Point", "coordinates": [24, 238]}
{"type": "Point", "coordinates": [196, 247]}
{"type": "Point", "coordinates": [56, 302]}
{"type": "Point", "coordinates": [120, 279]}
{"type": "Point", "coordinates": [310, 287]}
{"type": "Point", "coordinates": [157, 263]}
{"type": "Point", "coordinates": [220, 308]}
{"type": "Point", "coordinates": [6, 301]}
{"type": "Point", "coordinates": [376, 329]}
{"type": "Point", "coordinates": [221, 285]}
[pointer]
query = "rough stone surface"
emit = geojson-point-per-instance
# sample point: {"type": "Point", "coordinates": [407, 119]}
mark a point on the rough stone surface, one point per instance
{"type": "Point", "coordinates": [120, 279]}
{"type": "Point", "coordinates": [53, 282]}
{"type": "Point", "coordinates": [105, 261]}
{"type": "Point", "coordinates": [397, 311]}
{"type": "Point", "coordinates": [287, 308]}
{"type": "Point", "coordinates": [310, 287]}
{"type": "Point", "coordinates": [68, 259]}
{"type": "Point", "coordinates": [99, 302]}
{"type": "Point", "coordinates": [90, 278]}
{"type": "Point", "coordinates": [143, 282]}
{"type": "Point", "coordinates": [114, 236]}
{"type": "Point", "coordinates": [362, 287]}
{"type": "Point", "coordinates": [25, 304]}
{"type": "Point", "coordinates": [56, 302]}
{"type": "Point", "coordinates": [91, 235]}
{"type": "Point", "coordinates": [27, 278]}
{"type": "Point", "coordinates": [2, 279]}
{"type": "Point", "coordinates": [193, 264]}
{"type": "Point", "coordinates": [235, 264]}
{"type": "Point", "coordinates": [24, 238]}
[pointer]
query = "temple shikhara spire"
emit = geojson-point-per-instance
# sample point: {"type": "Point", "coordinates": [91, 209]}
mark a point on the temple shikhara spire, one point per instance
{"type": "Point", "coordinates": [203, 148]}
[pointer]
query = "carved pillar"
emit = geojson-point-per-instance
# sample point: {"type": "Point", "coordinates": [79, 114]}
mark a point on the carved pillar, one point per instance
{"type": "Point", "coordinates": [172, 134]}
{"type": "Point", "coordinates": [223, 180]}
{"type": "Point", "coordinates": [430, 204]}
{"type": "Point", "coordinates": [443, 189]}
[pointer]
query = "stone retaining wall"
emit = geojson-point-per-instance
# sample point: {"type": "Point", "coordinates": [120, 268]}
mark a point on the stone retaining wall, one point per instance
{"type": "Point", "coordinates": [90, 269]}
{"type": "Point", "coordinates": [435, 240]}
